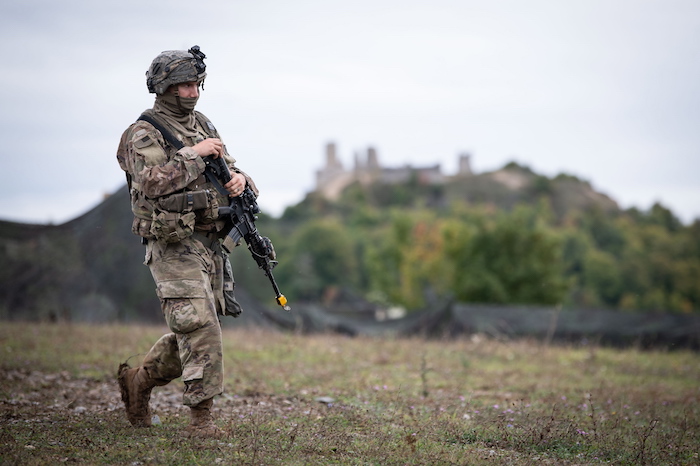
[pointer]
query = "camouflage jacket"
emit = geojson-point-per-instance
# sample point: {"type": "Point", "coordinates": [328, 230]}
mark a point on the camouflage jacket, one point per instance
{"type": "Point", "coordinates": [157, 173]}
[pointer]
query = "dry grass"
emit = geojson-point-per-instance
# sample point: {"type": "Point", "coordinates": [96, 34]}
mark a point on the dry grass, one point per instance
{"type": "Point", "coordinates": [329, 399]}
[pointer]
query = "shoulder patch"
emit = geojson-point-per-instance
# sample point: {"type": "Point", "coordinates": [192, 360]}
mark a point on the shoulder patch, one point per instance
{"type": "Point", "coordinates": [211, 126]}
{"type": "Point", "coordinates": [145, 144]}
{"type": "Point", "coordinates": [142, 139]}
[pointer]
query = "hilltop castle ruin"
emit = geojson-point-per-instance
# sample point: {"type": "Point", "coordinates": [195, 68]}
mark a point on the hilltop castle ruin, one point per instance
{"type": "Point", "coordinates": [333, 177]}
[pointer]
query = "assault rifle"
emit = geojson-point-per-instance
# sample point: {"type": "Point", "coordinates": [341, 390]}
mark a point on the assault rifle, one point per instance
{"type": "Point", "coordinates": [241, 214]}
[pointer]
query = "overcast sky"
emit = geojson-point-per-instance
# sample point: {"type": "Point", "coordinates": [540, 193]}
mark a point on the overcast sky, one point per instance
{"type": "Point", "coordinates": [607, 90]}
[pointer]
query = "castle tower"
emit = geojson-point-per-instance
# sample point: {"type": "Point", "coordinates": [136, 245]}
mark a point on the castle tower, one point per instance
{"type": "Point", "coordinates": [372, 159]}
{"type": "Point", "coordinates": [464, 165]}
{"type": "Point", "coordinates": [368, 171]}
{"type": "Point", "coordinates": [359, 163]}
{"type": "Point", "coordinates": [332, 170]}
{"type": "Point", "coordinates": [332, 157]}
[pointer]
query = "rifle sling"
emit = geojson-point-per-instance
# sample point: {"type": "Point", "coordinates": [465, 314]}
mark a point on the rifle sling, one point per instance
{"type": "Point", "coordinates": [177, 144]}
{"type": "Point", "coordinates": [170, 137]}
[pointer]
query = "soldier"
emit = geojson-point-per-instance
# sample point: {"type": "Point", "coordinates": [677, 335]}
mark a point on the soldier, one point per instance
{"type": "Point", "coordinates": [176, 214]}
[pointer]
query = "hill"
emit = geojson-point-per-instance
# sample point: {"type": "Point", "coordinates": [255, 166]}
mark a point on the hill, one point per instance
{"type": "Point", "coordinates": [515, 183]}
{"type": "Point", "coordinates": [379, 185]}
{"type": "Point", "coordinates": [504, 188]}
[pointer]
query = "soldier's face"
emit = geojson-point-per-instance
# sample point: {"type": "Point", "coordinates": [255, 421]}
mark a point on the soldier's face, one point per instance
{"type": "Point", "coordinates": [188, 90]}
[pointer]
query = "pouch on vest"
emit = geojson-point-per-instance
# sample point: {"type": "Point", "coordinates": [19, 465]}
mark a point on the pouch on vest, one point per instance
{"type": "Point", "coordinates": [143, 213]}
{"type": "Point", "coordinates": [172, 227]}
{"type": "Point", "coordinates": [187, 201]}
{"type": "Point", "coordinates": [142, 227]}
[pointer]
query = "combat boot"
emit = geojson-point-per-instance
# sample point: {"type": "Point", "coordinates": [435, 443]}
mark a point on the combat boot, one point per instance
{"type": "Point", "coordinates": [135, 386]}
{"type": "Point", "coordinates": [201, 422]}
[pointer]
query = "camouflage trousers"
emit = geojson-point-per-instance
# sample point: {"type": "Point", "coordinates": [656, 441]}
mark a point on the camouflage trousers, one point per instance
{"type": "Point", "coordinates": [189, 282]}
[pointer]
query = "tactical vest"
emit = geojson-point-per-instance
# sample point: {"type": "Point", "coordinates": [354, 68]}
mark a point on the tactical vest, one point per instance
{"type": "Point", "coordinates": [175, 216]}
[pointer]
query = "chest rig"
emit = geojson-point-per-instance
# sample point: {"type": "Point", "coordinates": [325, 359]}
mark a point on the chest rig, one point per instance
{"type": "Point", "coordinates": [176, 216]}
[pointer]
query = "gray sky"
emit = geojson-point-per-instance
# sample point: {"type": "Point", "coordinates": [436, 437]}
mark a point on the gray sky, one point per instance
{"type": "Point", "coordinates": [607, 90]}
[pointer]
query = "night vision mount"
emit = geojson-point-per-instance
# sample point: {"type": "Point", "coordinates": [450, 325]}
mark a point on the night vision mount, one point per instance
{"type": "Point", "coordinates": [199, 57]}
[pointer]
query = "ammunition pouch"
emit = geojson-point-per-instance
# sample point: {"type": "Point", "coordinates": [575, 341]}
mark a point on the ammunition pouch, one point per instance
{"type": "Point", "coordinates": [174, 216]}
{"type": "Point", "coordinates": [143, 211]}
{"type": "Point", "coordinates": [142, 227]}
{"type": "Point", "coordinates": [172, 227]}
{"type": "Point", "coordinates": [187, 201]}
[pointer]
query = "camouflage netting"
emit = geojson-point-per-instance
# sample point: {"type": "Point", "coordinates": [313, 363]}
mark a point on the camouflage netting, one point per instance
{"type": "Point", "coordinates": [449, 320]}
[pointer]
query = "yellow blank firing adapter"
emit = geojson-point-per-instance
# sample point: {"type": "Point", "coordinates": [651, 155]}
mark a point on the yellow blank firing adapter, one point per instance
{"type": "Point", "coordinates": [282, 301]}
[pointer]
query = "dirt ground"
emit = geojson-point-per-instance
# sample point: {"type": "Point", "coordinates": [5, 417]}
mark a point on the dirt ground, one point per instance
{"type": "Point", "coordinates": [32, 395]}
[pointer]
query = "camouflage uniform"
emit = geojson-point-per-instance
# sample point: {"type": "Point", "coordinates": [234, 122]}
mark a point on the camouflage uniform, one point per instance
{"type": "Point", "coordinates": [183, 249]}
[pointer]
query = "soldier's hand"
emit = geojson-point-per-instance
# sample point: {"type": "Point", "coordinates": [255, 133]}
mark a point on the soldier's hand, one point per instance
{"type": "Point", "coordinates": [210, 146]}
{"type": "Point", "coordinates": [237, 184]}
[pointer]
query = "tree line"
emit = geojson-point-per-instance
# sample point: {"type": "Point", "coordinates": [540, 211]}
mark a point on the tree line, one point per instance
{"type": "Point", "coordinates": [397, 245]}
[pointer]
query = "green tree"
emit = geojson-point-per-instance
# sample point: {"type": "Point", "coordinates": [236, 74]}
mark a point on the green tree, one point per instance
{"type": "Point", "coordinates": [510, 259]}
{"type": "Point", "coordinates": [601, 279]}
{"type": "Point", "coordinates": [407, 259]}
{"type": "Point", "coordinates": [405, 239]}
{"type": "Point", "coordinates": [321, 255]}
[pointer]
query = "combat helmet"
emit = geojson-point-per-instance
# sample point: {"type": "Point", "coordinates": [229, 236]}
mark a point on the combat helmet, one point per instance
{"type": "Point", "coordinates": [174, 67]}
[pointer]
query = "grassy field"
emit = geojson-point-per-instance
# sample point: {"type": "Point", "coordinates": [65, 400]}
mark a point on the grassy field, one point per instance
{"type": "Point", "coordinates": [328, 399]}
